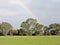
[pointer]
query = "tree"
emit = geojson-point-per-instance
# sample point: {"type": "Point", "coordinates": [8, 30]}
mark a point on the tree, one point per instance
{"type": "Point", "coordinates": [32, 23]}
{"type": "Point", "coordinates": [24, 28]}
{"type": "Point", "coordinates": [30, 26]}
{"type": "Point", "coordinates": [46, 30]}
{"type": "Point", "coordinates": [6, 27]}
{"type": "Point", "coordinates": [38, 29]}
{"type": "Point", "coordinates": [54, 28]}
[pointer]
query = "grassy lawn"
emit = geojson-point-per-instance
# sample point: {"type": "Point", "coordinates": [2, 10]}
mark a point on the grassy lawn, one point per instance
{"type": "Point", "coordinates": [30, 40]}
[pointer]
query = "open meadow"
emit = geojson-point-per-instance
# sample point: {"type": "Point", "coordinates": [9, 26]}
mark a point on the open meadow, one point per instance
{"type": "Point", "coordinates": [30, 40]}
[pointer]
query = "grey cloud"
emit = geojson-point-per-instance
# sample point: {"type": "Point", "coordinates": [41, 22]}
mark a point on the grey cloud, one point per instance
{"type": "Point", "coordinates": [47, 11]}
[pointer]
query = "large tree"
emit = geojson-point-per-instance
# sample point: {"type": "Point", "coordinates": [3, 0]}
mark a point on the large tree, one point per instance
{"type": "Point", "coordinates": [6, 27]}
{"type": "Point", "coordinates": [55, 28]}
{"type": "Point", "coordinates": [30, 26]}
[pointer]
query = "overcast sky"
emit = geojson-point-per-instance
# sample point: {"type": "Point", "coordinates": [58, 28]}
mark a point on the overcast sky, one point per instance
{"type": "Point", "coordinates": [47, 11]}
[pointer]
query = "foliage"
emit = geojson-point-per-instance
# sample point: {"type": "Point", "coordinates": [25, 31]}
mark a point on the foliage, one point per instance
{"type": "Point", "coordinates": [6, 27]}
{"type": "Point", "coordinates": [55, 28]}
{"type": "Point", "coordinates": [31, 26]}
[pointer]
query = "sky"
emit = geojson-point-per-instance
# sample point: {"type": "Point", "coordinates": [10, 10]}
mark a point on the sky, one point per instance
{"type": "Point", "coordinates": [17, 11]}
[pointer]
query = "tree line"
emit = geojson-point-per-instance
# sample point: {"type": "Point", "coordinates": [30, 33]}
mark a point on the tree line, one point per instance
{"type": "Point", "coordinates": [30, 27]}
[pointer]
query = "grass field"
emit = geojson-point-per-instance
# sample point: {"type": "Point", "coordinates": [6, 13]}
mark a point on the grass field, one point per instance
{"type": "Point", "coordinates": [30, 40]}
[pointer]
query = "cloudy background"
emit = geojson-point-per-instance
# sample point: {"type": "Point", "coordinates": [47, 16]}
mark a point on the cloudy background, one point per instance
{"type": "Point", "coordinates": [47, 11]}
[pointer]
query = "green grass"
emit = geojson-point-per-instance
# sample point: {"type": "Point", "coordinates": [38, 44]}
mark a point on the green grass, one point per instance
{"type": "Point", "coordinates": [30, 40]}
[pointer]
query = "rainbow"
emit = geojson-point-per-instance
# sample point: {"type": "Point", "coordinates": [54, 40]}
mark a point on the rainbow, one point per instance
{"type": "Point", "coordinates": [28, 9]}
